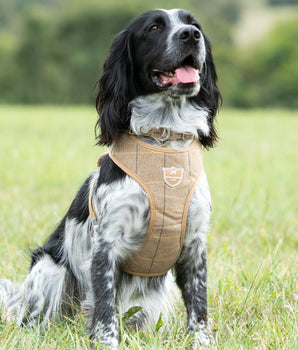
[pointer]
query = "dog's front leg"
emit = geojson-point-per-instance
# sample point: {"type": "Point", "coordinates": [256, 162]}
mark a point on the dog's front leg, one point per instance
{"type": "Point", "coordinates": [104, 325]}
{"type": "Point", "coordinates": [191, 275]}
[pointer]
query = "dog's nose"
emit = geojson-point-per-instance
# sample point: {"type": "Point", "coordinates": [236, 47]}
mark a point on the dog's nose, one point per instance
{"type": "Point", "coordinates": [189, 34]}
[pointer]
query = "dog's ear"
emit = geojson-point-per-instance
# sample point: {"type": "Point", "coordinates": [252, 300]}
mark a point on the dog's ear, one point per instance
{"type": "Point", "coordinates": [209, 95]}
{"type": "Point", "coordinates": [114, 90]}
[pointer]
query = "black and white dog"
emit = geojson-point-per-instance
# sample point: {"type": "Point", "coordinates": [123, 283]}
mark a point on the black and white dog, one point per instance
{"type": "Point", "coordinates": [159, 75]}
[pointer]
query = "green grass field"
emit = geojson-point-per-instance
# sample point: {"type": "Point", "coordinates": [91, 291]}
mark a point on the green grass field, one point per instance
{"type": "Point", "coordinates": [47, 152]}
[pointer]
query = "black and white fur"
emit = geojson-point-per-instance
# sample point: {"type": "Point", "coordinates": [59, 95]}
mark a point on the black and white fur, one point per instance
{"type": "Point", "coordinates": [76, 267]}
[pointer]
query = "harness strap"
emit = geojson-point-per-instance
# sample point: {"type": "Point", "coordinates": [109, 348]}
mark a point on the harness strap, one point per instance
{"type": "Point", "coordinates": [92, 213]}
{"type": "Point", "coordinates": [164, 134]}
{"type": "Point", "coordinates": [90, 203]}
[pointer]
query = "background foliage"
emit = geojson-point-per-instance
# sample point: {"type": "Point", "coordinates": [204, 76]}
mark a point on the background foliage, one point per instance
{"type": "Point", "coordinates": [52, 51]}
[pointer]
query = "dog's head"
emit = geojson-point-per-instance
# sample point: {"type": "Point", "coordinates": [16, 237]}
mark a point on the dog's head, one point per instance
{"type": "Point", "coordinates": [162, 52]}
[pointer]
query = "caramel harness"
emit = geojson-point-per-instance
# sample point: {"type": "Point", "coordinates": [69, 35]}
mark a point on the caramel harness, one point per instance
{"type": "Point", "coordinates": [169, 178]}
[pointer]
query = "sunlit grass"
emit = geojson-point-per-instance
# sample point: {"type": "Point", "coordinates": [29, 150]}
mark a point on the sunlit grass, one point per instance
{"type": "Point", "coordinates": [47, 152]}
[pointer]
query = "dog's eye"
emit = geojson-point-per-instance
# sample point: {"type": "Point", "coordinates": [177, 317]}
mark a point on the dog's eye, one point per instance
{"type": "Point", "coordinates": [153, 28]}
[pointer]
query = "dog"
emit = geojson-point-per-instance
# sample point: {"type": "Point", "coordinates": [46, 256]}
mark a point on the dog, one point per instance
{"type": "Point", "coordinates": [158, 90]}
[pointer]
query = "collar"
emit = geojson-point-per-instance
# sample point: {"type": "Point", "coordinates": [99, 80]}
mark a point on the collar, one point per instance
{"type": "Point", "coordinates": [164, 134]}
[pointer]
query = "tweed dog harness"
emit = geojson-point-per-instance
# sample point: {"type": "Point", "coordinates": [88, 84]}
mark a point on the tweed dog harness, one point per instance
{"type": "Point", "coordinates": [169, 178]}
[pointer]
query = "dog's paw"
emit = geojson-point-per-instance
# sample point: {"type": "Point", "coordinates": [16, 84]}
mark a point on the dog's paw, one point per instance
{"type": "Point", "coordinates": [203, 337]}
{"type": "Point", "coordinates": [103, 345]}
{"type": "Point", "coordinates": [105, 342]}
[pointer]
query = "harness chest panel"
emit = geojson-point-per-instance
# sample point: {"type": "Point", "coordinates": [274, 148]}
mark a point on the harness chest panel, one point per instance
{"type": "Point", "coordinates": [169, 177]}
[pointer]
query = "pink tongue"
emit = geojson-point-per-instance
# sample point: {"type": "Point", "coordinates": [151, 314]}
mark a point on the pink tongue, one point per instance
{"type": "Point", "coordinates": [187, 74]}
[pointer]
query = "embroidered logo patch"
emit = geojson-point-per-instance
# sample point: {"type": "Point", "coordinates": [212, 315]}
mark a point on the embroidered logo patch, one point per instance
{"type": "Point", "coordinates": [173, 176]}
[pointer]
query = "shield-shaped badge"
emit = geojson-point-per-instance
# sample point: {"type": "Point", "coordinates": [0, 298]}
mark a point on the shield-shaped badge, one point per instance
{"type": "Point", "coordinates": [173, 176]}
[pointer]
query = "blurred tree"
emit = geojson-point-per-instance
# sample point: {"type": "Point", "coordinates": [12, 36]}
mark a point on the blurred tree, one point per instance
{"type": "Point", "coordinates": [52, 51]}
{"type": "Point", "coordinates": [282, 2]}
{"type": "Point", "coordinates": [61, 46]}
{"type": "Point", "coordinates": [59, 56]}
{"type": "Point", "coordinates": [268, 74]}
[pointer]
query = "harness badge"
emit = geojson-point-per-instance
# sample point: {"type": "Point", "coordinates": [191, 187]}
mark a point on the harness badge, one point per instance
{"type": "Point", "coordinates": [172, 176]}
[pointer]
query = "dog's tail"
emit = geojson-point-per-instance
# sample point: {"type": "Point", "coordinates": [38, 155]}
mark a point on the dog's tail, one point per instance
{"type": "Point", "coordinates": [11, 296]}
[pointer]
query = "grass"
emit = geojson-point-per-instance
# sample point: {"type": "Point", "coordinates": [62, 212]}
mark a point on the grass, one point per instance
{"type": "Point", "coordinates": [47, 152]}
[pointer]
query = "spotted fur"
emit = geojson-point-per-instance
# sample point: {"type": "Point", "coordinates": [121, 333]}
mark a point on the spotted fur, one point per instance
{"type": "Point", "coordinates": [77, 268]}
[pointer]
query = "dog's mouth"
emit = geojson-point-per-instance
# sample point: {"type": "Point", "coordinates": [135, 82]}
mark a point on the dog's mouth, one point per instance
{"type": "Point", "coordinates": [183, 74]}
